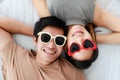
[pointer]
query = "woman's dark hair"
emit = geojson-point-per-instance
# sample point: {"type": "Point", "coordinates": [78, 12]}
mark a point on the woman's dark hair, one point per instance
{"type": "Point", "coordinates": [86, 63]}
{"type": "Point", "coordinates": [49, 21]}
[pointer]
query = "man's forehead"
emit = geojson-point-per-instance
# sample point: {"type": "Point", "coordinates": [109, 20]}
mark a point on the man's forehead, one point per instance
{"type": "Point", "coordinates": [53, 30]}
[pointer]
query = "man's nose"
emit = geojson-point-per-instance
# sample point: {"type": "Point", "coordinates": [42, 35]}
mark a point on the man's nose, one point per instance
{"type": "Point", "coordinates": [52, 44]}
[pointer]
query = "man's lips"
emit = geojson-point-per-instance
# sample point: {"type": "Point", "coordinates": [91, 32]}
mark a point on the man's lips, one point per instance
{"type": "Point", "coordinates": [49, 52]}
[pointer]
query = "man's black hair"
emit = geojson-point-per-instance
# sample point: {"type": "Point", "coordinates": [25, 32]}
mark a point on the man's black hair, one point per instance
{"type": "Point", "coordinates": [49, 21]}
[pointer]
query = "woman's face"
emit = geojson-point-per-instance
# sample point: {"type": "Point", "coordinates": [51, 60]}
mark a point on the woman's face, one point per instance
{"type": "Point", "coordinates": [78, 36]}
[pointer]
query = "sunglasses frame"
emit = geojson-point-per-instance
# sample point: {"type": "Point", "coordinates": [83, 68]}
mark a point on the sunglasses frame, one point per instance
{"type": "Point", "coordinates": [53, 37]}
{"type": "Point", "coordinates": [82, 47]}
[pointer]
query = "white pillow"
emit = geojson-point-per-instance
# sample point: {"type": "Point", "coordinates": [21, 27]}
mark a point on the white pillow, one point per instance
{"type": "Point", "coordinates": [107, 65]}
{"type": "Point", "coordinates": [21, 10]}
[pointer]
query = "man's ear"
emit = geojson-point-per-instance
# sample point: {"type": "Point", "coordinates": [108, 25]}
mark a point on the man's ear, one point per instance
{"type": "Point", "coordinates": [65, 48]}
{"type": "Point", "coordinates": [34, 40]}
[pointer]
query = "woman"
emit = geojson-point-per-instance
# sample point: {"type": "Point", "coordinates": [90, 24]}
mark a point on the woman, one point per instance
{"type": "Point", "coordinates": [77, 14]}
{"type": "Point", "coordinates": [83, 58]}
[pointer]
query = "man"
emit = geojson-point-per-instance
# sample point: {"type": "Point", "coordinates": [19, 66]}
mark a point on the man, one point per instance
{"type": "Point", "coordinates": [43, 64]}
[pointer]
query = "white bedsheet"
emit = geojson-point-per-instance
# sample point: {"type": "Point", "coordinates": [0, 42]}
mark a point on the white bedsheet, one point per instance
{"type": "Point", "coordinates": [106, 67]}
{"type": "Point", "coordinates": [21, 10]}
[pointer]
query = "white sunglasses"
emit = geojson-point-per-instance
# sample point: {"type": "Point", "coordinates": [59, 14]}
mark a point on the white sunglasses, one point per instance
{"type": "Point", "coordinates": [46, 37]}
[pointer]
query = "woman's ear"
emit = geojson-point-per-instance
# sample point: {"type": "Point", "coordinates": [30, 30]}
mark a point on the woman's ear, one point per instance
{"type": "Point", "coordinates": [92, 32]}
{"type": "Point", "coordinates": [34, 40]}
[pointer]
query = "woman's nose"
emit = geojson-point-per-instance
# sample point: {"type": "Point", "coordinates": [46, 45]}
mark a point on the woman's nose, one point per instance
{"type": "Point", "coordinates": [79, 40]}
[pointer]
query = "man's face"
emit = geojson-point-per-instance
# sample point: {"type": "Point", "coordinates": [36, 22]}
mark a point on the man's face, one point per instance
{"type": "Point", "coordinates": [48, 52]}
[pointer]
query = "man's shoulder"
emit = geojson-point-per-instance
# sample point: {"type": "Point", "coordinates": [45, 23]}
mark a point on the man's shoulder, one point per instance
{"type": "Point", "coordinates": [65, 62]}
{"type": "Point", "coordinates": [74, 73]}
{"type": "Point", "coordinates": [13, 48]}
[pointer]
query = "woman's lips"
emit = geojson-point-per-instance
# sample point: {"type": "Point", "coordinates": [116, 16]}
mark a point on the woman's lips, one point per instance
{"type": "Point", "coordinates": [79, 31]}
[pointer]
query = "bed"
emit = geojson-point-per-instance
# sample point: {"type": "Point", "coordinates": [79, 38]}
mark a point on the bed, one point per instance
{"type": "Point", "coordinates": [104, 68]}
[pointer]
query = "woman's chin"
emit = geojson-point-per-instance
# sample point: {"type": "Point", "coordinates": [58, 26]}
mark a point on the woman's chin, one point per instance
{"type": "Point", "coordinates": [83, 55]}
